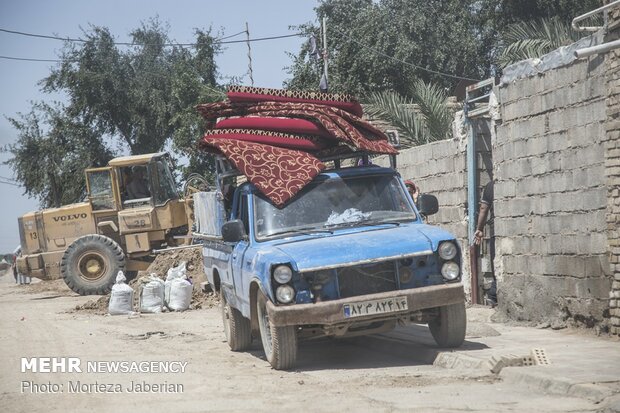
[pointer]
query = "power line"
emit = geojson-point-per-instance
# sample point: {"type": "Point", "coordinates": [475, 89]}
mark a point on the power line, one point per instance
{"type": "Point", "coordinates": [407, 63]}
{"type": "Point", "coordinates": [216, 41]}
{"type": "Point", "coordinates": [42, 36]}
{"type": "Point", "coordinates": [78, 40]}
{"type": "Point", "coordinates": [25, 59]}
{"type": "Point", "coordinates": [8, 183]}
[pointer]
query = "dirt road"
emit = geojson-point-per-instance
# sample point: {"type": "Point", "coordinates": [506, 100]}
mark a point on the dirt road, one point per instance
{"type": "Point", "coordinates": [37, 321]}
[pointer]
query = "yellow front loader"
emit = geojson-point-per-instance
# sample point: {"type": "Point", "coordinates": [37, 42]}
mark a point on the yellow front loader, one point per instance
{"type": "Point", "coordinates": [133, 207]}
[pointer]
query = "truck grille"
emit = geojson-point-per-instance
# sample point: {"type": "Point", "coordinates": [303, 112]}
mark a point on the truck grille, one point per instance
{"type": "Point", "coordinates": [367, 279]}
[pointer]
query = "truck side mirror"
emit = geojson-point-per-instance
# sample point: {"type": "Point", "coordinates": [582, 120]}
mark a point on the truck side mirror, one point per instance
{"type": "Point", "coordinates": [233, 231]}
{"type": "Point", "coordinates": [428, 204]}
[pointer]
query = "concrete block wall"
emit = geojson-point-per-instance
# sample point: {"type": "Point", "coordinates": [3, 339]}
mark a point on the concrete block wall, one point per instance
{"type": "Point", "coordinates": [612, 170]}
{"type": "Point", "coordinates": [438, 168]}
{"type": "Point", "coordinates": [552, 261]}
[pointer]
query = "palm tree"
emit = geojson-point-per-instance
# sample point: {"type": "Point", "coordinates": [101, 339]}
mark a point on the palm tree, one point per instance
{"type": "Point", "coordinates": [532, 39]}
{"type": "Point", "coordinates": [424, 118]}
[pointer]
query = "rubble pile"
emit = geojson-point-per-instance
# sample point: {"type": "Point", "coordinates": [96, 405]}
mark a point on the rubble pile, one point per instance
{"type": "Point", "coordinates": [163, 262]}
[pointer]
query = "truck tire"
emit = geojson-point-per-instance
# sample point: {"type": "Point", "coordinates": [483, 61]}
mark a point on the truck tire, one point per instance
{"type": "Point", "coordinates": [279, 343]}
{"type": "Point", "coordinates": [448, 329]}
{"type": "Point", "coordinates": [236, 327]}
{"type": "Point", "coordinates": [90, 265]}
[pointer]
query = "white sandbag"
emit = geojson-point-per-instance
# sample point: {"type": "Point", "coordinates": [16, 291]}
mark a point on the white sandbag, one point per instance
{"type": "Point", "coordinates": [178, 290]}
{"type": "Point", "coordinates": [178, 272]}
{"type": "Point", "coordinates": [152, 295]}
{"type": "Point", "coordinates": [121, 298]}
{"type": "Point", "coordinates": [180, 294]}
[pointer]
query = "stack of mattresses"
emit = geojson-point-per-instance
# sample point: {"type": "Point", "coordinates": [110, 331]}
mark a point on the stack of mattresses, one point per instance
{"type": "Point", "coordinates": [277, 137]}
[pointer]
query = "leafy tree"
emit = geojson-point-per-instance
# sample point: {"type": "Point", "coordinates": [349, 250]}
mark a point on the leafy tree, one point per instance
{"type": "Point", "coordinates": [387, 45]}
{"type": "Point", "coordinates": [142, 96]}
{"type": "Point", "coordinates": [419, 120]}
{"type": "Point", "coordinates": [139, 97]}
{"type": "Point", "coordinates": [51, 153]}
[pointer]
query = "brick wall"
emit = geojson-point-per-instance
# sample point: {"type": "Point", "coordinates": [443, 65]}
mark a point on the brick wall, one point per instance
{"type": "Point", "coordinates": [551, 196]}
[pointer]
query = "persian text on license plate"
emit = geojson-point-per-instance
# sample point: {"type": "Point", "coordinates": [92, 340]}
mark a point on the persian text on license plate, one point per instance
{"type": "Point", "coordinates": [387, 305]}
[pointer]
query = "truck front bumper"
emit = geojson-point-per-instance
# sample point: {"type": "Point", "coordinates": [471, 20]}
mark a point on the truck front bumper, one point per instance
{"type": "Point", "coordinates": [332, 312]}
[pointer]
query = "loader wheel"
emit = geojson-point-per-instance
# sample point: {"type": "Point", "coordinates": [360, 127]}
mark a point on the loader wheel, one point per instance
{"type": "Point", "coordinates": [448, 329]}
{"type": "Point", "coordinates": [279, 343]}
{"type": "Point", "coordinates": [236, 327]}
{"type": "Point", "coordinates": [90, 265]}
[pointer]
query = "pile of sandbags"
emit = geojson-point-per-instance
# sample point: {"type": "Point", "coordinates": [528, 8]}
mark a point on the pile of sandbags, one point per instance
{"type": "Point", "coordinates": [154, 294]}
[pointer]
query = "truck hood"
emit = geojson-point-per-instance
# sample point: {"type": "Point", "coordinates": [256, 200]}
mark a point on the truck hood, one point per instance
{"type": "Point", "coordinates": [366, 244]}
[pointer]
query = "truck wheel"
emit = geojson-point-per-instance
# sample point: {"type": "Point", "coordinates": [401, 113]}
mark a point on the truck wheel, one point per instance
{"type": "Point", "coordinates": [236, 327]}
{"type": "Point", "coordinates": [90, 265]}
{"type": "Point", "coordinates": [448, 329]}
{"type": "Point", "coordinates": [279, 343]}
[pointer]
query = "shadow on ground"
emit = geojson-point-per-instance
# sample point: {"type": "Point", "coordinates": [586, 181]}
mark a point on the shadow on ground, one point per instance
{"type": "Point", "coordinates": [406, 346]}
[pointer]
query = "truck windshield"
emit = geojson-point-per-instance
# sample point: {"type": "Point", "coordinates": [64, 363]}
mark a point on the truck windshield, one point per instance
{"type": "Point", "coordinates": [333, 203]}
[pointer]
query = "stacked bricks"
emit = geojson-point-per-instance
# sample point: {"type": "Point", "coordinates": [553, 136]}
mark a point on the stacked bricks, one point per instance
{"type": "Point", "coordinates": [551, 196]}
{"type": "Point", "coordinates": [612, 168]}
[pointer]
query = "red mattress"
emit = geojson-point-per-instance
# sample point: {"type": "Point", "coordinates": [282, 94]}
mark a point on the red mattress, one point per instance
{"type": "Point", "coordinates": [283, 140]}
{"type": "Point", "coordinates": [285, 125]}
{"type": "Point", "coordinates": [340, 124]}
{"type": "Point", "coordinates": [245, 94]}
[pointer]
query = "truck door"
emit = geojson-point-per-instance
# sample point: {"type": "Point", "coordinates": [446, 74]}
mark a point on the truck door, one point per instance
{"type": "Point", "coordinates": [238, 254]}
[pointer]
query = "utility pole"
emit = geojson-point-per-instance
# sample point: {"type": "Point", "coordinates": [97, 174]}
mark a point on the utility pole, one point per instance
{"type": "Point", "coordinates": [324, 81]}
{"type": "Point", "coordinates": [247, 33]}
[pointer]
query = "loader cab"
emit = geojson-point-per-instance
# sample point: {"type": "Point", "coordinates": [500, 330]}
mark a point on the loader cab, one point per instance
{"type": "Point", "coordinates": [131, 182]}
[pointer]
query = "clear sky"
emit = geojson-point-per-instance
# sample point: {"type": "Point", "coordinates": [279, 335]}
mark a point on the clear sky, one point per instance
{"type": "Point", "coordinates": [66, 18]}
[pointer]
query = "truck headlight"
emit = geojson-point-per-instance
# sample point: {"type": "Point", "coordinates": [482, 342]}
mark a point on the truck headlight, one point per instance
{"type": "Point", "coordinates": [447, 250]}
{"type": "Point", "coordinates": [285, 294]}
{"type": "Point", "coordinates": [282, 274]}
{"type": "Point", "coordinates": [450, 271]}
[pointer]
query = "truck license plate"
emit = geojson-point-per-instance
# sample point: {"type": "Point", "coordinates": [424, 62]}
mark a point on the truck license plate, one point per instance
{"type": "Point", "coordinates": [388, 305]}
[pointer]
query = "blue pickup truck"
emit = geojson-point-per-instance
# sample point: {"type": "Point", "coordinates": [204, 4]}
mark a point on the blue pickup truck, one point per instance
{"type": "Point", "coordinates": [349, 255]}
